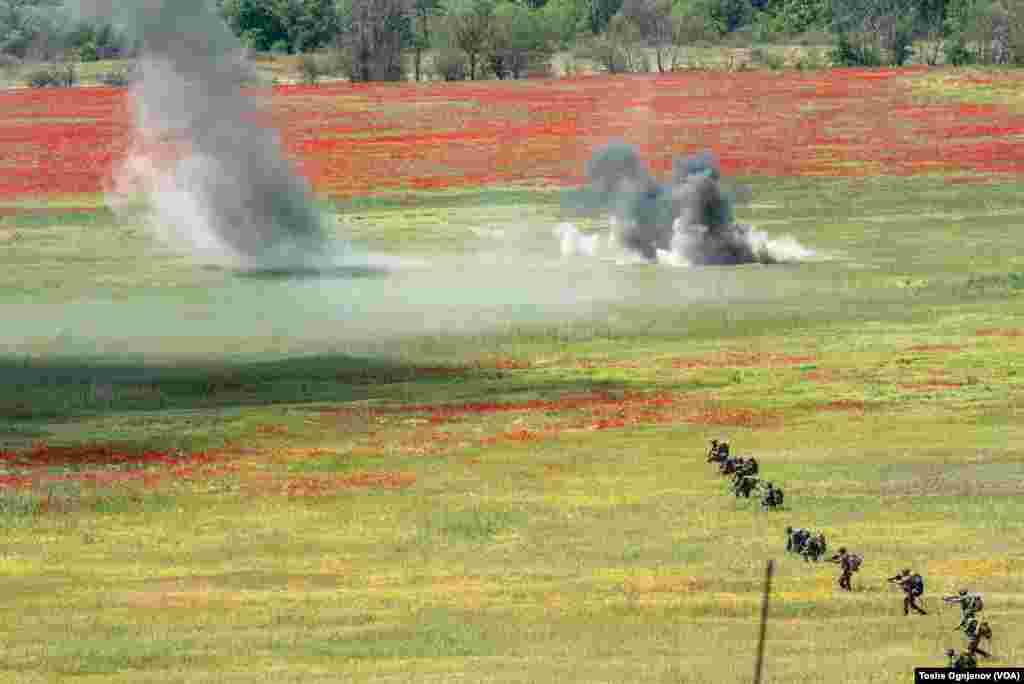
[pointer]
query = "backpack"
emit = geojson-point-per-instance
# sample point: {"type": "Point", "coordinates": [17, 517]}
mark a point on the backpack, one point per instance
{"type": "Point", "coordinates": [975, 603]}
{"type": "Point", "coordinates": [855, 562]}
{"type": "Point", "coordinates": [917, 585]}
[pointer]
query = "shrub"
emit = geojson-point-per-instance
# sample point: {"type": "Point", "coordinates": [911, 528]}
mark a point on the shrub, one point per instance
{"type": "Point", "coordinates": [813, 38]}
{"type": "Point", "coordinates": [956, 51]}
{"type": "Point", "coordinates": [58, 76]}
{"type": "Point", "coordinates": [774, 61]}
{"type": "Point", "coordinates": [848, 53]}
{"type": "Point", "coordinates": [310, 69]}
{"type": "Point", "coordinates": [450, 65]}
{"type": "Point", "coordinates": [117, 78]}
{"type": "Point", "coordinates": [41, 78]}
{"type": "Point", "coordinates": [902, 47]}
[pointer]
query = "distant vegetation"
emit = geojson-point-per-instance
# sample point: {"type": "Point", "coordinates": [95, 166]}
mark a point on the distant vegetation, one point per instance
{"type": "Point", "coordinates": [390, 40]}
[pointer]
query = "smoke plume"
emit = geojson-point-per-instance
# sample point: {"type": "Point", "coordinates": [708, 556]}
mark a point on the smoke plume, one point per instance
{"type": "Point", "coordinates": [214, 177]}
{"type": "Point", "coordinates": [686, 221]}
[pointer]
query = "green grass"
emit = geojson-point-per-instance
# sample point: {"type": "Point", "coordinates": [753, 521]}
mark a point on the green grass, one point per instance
{"type": "Point", "coordinates": [527, 543]}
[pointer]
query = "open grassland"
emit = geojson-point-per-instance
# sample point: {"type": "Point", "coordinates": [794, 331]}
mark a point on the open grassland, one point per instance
{"type": "Point", "coordinates": [528, 503]}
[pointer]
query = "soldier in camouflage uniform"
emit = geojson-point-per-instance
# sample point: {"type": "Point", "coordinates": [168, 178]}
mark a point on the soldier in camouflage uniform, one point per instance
{"type": "Point", "coordinates": [814, 548]}
{"type": "Point", "coordinates": [964, 661]}
{"type": "Point", "coordinates": [718, 452]}
{"type": "Point", "coordinates": [743, 486]}
{"type": "Point", "coordinates": [795, 538]}
{"type": "Point", "coordinates": [975, 632]}
{"type": "Point", "coordinates": [849, 564]}
{"type": "Point", "coordinates": [772, 498]}
{"type": "Point", "coordinates": [747, 467]}
{"type": "Point", "coordinates": [969, 603]}
{"type": "Point", "coordinates": [912, 586]}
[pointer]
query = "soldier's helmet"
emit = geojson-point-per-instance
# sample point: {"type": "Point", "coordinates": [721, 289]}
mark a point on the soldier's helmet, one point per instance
{"type": "Point", "coordinates": [789, 529]}
{"type": "Point", "coordinates": [963, 592]}
{"type": "Point", "coordinates": [906, 571]}
{"type": "Point", "coordinates": [951, 653]}
{"type": "Point", "coordinates": [842, 549]}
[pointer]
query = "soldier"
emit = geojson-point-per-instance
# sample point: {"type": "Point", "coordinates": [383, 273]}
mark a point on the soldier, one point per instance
{"type": "Point", "coordinates": [718, 452]}
{"type": "Point", "coordinates": [743, 486]}
{"type": "Point", "coordinates": [749, 467]}
{"type": "Point", "coordinates": [970, 604]}
{"type": "Point", "coordinates": [964, 661]}
{"type": "Point", "coordinates": [772, 498]}
{"type": "Point", "coordinates": [814, 548]}
{"type": "Point", "coordinates": [975, 632]}
{"type": "Point", "coordinates": [728, 466]}
{"type": "Point", "coordinates": [912, 585]}
{"type": "Point", "coordinates": [714, 453]}
{"type": "Point", "coordinates": [849, 564]}
{"type": "Point", "coordinates": [796, 538]}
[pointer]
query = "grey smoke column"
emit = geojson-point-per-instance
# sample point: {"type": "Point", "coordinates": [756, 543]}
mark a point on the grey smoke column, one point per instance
{"type": "Point", "coordinates": [233, 182]}
{"type": "Point", "coordinates": [691, 216]}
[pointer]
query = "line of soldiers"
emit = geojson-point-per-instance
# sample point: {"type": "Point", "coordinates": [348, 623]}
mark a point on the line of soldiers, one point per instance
{"type": "Point", "coordinates": [812, 547]}
{"type": "Point", "coordinates": [744, 476]}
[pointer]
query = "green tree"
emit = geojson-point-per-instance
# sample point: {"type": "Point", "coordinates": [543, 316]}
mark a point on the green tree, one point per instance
{"type": "Point", "coordinates": [255, 22]}
{"type": "Point", "coordinates": [424, 17]}
{"type": "Point", "coordinates": [566, 19]}
{"type": "Point", "coordinates": [470, 28]}
{"type": "Point", "coordinates": [519, 40]}
{"type": "Point", "coordinates": [600, 13]}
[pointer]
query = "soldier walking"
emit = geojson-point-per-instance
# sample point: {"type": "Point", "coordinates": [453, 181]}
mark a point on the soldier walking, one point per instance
{"type": "Point", "coordinates": [970, 605]}
{"type": "Point", "coordinates": [849, 563]}
{"type": "Point", "coordinates": [814, 548]}
{"type": "Point", "coordinates": [912, 585]}
{"type": "Point", "coordinates": [772, 498]}
{"type": "Point", "coordinates": [975, 632]}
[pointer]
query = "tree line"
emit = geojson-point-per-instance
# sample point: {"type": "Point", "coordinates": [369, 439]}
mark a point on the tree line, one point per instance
{"type": "Point", "coordinates": [372, 40]}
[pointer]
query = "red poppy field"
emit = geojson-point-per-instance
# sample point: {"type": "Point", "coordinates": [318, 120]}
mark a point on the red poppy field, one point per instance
{"type": "Point", "coordinates": [529, 502]}
{"type": "Point", "coordinates": [352, 140]}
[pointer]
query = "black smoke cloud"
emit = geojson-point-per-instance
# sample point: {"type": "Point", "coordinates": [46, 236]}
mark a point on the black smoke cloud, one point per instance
{"type": "Point", "coordinates": [690, 218]}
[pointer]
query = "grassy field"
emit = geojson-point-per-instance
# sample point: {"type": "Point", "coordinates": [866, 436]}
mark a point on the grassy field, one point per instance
{"type": "Point", "coordinates": [211, 477]}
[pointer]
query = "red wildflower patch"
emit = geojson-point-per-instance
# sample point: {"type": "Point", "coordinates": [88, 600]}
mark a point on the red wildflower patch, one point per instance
{"type": "Point", "coordinates": [742, 360]}
{"type": "Point", "coordinates": [1000, 332]}
{"type": "Point", "coordinates": [439, 413]}
{"type": "Point", "coordinates": [360, 139]}
{"type": "Point", "coordinates": [104, 464]}
{"type": "Point", "coordinates": [844, 405]}
{"type": "Point", "coordinates": [272, 429]}
{"type": "Point", "coordinates": [324, 486]}
{"type": "Point", "coordinates": [735, 416]}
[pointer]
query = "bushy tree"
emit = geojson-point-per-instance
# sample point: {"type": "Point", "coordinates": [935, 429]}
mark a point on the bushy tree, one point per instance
{"type": "Point", "coordinates": [470, 26]}
{"type": "Point", "coordinates": [374, 37]}
{"type": "Point", "coordinates": [600, 13]}
{"type": "Point", "coordinates": [519, 42]}
{"type": "Point", "coordinates": [32, 28]}
{"type": "Point", "coordinates": [566, 19]}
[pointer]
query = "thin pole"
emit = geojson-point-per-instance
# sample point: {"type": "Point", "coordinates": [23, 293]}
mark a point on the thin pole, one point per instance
{"type": "Point", "coordinates": [764, 622]}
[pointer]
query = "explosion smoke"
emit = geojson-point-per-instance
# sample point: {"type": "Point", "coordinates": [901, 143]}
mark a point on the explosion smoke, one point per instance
{"type": "Point", "coordinates": [227, 190]}
{"type": "Point", "coordinates": [688, 220]}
